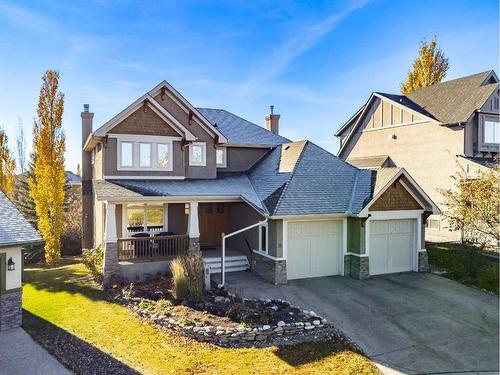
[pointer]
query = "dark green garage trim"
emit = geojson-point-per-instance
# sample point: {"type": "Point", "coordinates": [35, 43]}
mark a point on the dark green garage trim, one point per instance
{"type": "Point", "coordinates": [354, 235]}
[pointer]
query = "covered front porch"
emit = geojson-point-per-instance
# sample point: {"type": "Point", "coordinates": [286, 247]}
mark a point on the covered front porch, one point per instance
{"type": "Point", "coordinates": [148, 234]}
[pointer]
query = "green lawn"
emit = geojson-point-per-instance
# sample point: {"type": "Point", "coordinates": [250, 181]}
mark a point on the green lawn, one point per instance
{"type": "Point", "coordinates": [465, 264]}
{"type": "Point", "coordinates": [79, 325]}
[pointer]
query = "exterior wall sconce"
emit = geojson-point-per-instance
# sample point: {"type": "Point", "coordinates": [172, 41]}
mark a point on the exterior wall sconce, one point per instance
{"type": "Point", "coordinates": [186, 208]}
{"type": "Point", "coordinates": [11, 266]}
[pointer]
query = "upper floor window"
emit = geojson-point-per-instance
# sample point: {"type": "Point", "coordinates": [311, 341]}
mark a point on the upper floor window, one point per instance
{"type": "Point", "coordinates": [198, 154]}
{"type": "Point", "coordinates": [126, 154]}
{"type": "Point", "coordinates": [145, 155]}
{"type": "Point", "coordinates": [491, 130]}
{"type": "Point", "coordinates": [220, 157]}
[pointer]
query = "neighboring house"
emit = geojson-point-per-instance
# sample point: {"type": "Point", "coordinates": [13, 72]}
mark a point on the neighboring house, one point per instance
{"type": "Point", "coordinates": [73, 179]}
{"type": "Point", "coordinates": [15, 235]}
{"type": "Point", "coordinates": [163, 178]}
{"type": "Point", "coordinates": [432, 133]}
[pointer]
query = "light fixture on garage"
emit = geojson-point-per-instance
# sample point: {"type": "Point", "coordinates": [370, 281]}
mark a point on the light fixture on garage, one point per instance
{"type": "Point", "coordinates": [11, 266]}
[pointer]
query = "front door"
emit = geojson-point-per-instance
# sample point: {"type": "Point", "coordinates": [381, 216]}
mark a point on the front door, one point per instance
{"type": "Point", "coordinates": [212, 217]}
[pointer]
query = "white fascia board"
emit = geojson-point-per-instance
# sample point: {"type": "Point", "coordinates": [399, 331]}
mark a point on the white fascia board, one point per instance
{"type": "Point", "coordinates": [144, 177]}
{"type": "Point", "coordinates": [144, 138]}
{"type": "Point", "coordinates": [255, 145]}
{"type": "Point", "coordinates": [337, 134]}
{"type": "Point", "coordinates": [188, 105]}
{"type": "Point", "coordinates": [172, 199]}
{"type": "Point", "coordinates": [311, 217]}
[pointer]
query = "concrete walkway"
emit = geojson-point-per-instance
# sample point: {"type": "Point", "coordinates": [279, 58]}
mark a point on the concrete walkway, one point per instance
{"type": "Point", "coordinates": [409, 323]}
{"type": "Point", "coordinates": [21, 355]}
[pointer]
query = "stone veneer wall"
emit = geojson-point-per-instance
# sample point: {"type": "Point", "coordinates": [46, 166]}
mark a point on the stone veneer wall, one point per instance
{"type": "Point", "coordinates": [269, 269]}
{"type": "Point", "coordinates": [10, 310]}
{"type": "Point", "coordinates": [111, 267]}
{"type": "Point", "coordinates": [357, 267]}
{"type": "Point", "coordinates": [423, 261]}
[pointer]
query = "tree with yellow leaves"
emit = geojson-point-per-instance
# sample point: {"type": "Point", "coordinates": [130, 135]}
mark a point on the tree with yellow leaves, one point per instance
{"type": "Point", "coordinates": [429, 67]}
{"type": "Point", "coordinates": [7, 166]}
{"type": "Point", "coordinates": [48, 180]}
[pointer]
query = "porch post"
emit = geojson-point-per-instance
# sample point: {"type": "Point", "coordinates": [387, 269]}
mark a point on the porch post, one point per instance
{"type": "Point", "coordinates": [193, 229]}
{"type": "Point", "coordinates": [110, 266]}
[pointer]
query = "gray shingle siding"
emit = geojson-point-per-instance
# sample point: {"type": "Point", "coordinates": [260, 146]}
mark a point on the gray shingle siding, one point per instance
{"type": "Point", "coordinates": [14, 229]}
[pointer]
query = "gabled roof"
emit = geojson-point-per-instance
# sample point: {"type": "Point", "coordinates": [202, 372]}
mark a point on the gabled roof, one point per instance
{"type": "Point", "coordinates": [320, 183]}
{"type": "Point", "coordinates": [370, 162]}
{"type": "Point", "coordinates": [239, 131]}
{"type": "Point", "coordinates": [454, 101]}
{"type": "Point", "coordinates": [14, 228]}
{"type": "Point", "coordinates": [72, 178]}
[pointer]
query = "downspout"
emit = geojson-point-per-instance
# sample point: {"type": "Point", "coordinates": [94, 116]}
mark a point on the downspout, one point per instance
{"type": "Point", "coordinates": [223, 256]}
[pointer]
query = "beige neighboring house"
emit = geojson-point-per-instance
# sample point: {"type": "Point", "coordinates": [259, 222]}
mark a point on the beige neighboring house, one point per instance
{"type": "Point", "coordinates": [429, 132]}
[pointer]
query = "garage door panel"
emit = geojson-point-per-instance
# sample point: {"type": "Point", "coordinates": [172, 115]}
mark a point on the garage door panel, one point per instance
{"type": "Point", "coordinates": [392, 244]}
{"type": "Point", "coordinates": [314, 249]}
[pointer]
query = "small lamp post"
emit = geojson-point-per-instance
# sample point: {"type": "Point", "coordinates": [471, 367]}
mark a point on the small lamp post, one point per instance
{"type": "Point", "coordinates": [11, 266]}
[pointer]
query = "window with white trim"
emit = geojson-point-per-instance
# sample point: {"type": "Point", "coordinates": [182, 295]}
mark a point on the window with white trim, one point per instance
{"type": "Point", "coordinates": [144, 218]}
{"type": "Point", "coordinates": [491, 130]}
{"type": "Point", "coordinates": [263, 238]}
{"type": "Point", "coordinates": [145, 155]}
{"type": "Point", "coordinates": [220, 157]}
{"type": "Point", "coordinates": [126, 154]}
{"type": "Point", "coordinates": [198, 154]}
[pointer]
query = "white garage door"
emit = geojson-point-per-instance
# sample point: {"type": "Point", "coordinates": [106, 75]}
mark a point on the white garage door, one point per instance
{"type": "Point", "coordinates": [314, 249]}
{"type": "Point", "coordinates": [392, 245]}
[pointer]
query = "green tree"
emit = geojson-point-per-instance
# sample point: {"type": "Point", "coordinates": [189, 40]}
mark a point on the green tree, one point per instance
{"type": "Point", "coordinates": [47, 186]}
{"type": "Point", "coordinates": [473, 205]}
{"type": "Point", "coordinates": [428, 68]}
{"type": "Point", "coordinates": [7, 166]}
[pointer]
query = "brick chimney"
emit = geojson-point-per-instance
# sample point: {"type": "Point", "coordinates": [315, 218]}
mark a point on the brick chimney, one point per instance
{"type": "Point", "coordinates": [273, 122]}
{"type": "Point", "coordinates": [87, 194]}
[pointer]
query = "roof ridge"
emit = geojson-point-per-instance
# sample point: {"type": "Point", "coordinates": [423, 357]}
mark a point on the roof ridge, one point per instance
{"type": "Point", "coordinates": [292, 174]}
{"type": "Point", "coordinates": [353, 192]}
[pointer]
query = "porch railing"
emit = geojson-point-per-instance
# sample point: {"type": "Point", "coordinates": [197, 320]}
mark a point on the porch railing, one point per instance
{"type": "Point", "coordinates": [160, 247]}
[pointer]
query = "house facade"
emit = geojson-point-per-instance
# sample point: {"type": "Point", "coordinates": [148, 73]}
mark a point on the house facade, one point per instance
{"type": "Point", "coordinates": [433, 132]}
{"type": "Point", "coordinates": [16, 234]}
{"type": "Point", "coordinates": [163, 178]}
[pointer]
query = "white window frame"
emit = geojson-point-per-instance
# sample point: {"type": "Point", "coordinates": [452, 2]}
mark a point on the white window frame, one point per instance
{"type": "Point", "coordinates": [136, 141]}
{"type": "Point", "coordinates": [203, 162]}
{"type": "Point", "coordinates": [150, 155]}
{"type": "Point", "coordinates": [266, 250]}
{"type": "Point", "coordinates": [120, 155]}
{"type": "Point", "coordinates": [224, 157]}
{"type": "Point", "coordinates": [145, 206]}
{"type": "Point", "coordinates": [493, 119]}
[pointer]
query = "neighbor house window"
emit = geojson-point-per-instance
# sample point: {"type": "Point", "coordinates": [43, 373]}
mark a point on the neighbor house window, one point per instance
{"type": "Point", "coordinates": [145, 155]}
{"type": "Point", "coordinates": [433, 224]}
{"type": "Point", "coordinates": [198, 154]}
{"type": "Point", "coordinates": [164, 155]}
{"type": "Point", "coordinates": [220, 157]}
{"type": "Point", "coordinates": [263, 234]}
{"type": "Point", "coordinates": [144, 218]}
{"type": "Point", "coordinates": [491, 130]}
{"type": "Point", "coordinates": [126, 154]}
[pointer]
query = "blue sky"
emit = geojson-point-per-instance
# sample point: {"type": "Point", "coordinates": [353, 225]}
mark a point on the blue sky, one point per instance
{"type": "Point", "coordinates": [315, 61]}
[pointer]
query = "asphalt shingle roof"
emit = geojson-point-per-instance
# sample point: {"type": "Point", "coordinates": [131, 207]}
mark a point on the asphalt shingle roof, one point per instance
{"type": "Point", "coordinates": [14, 228]}
{"type": "Point", "coordinates": [454, 101]}
{"type": "Point", "coordinates": [240, 131]}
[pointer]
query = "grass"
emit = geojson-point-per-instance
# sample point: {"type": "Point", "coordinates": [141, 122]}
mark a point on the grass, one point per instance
{"type": "Point", "coordinates": [61, 300]}
{"type": "Point", "coordinates": [466, 265]}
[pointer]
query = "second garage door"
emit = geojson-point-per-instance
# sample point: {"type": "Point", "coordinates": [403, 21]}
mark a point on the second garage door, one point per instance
{"type": "Point", "coordinates": [392, 246]}
{"type": "Point", "coordinates": [314, 249]}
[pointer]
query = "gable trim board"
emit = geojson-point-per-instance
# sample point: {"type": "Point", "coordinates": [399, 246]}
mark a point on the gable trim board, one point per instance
{"type": "Point", "coordinates": [368, 106]}
{"type": "Point", "coordinates": [187, 107]}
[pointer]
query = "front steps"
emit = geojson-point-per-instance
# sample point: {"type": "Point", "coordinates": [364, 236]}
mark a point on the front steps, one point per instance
{"type": "Point", "coordinates": [234, 263]}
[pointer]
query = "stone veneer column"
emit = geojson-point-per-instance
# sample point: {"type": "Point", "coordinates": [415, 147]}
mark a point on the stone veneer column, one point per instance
{"type": "Point", "coordinates": [110, 267]}
{"type": "Point", "coordinates": [10, 310]}
{"type": "Point", "coordinates": [359, 267]}
{"type": "Point", "coordinates": [193, 229]}
{"type": "Point", "coordinates": [423, 261]}
{"type": "Point", "coordinates": [272, 270]}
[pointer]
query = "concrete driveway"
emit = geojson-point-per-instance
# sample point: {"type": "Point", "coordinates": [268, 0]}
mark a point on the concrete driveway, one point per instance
{"type": "Point", "coordinates": [410, 322]}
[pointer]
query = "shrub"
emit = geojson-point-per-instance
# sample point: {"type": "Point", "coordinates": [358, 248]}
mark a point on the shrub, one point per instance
{"type": "Point", "coordinates": [147, 304]}
{"type": "Point", "coordinates": [187, 277]}
{"type": "Point", "coordinates": [93, 261]}
{"type": "Point", "coordinates": [487, 278]}
{"type": "Point", "coordinates": [163, 305]}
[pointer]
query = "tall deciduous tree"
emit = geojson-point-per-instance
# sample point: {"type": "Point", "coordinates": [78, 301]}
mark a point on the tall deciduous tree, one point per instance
{"type": "Point", "coordinates": [428, 68]}
{"type": "Point", "coordinates": [473, 205]}
{"type": "Point", "coordinates": [47, 184]}
{"type": "Point", "coordinates": [7, 166]}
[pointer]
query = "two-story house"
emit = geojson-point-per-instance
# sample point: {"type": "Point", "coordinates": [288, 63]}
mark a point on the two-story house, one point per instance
{"type": "Point", "coordinates": [433, 132]}
{"type": "Point", "coordinates": [163, 178]}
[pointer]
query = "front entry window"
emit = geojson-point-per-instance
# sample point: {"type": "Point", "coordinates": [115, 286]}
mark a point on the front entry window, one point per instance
{"type": "Point", "coordinates": [144, 218]}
